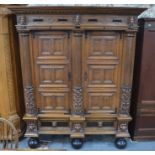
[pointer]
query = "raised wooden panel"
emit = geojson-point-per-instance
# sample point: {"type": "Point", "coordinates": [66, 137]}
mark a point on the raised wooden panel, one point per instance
{"type": "Point", "coordinates": [102, 70]}
{"type": "Point", "coordinates": [54, 101]}
{"type": "Point", "coordinates": [51, 58]}
{"type": "Point", "coordinates": [52, 45]}
{"type": "Point", "coordinates": [101, 101]}
{"type": "Point", "coordinates": [53, 74]}
{"type": "Point", "coordinates": [102, 45]}
{"type": "Point", "coordinates": [101, 75]}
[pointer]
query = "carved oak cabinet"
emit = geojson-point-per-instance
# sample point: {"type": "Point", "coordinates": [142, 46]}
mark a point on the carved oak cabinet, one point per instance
{"type": "Point", "coordinates": [77, 65]}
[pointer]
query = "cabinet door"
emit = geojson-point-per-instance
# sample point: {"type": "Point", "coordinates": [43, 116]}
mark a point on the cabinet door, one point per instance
{"type": "Point", "coordinates": [101, 71]}
{"type": "Point", "coordinates": [51, 69]}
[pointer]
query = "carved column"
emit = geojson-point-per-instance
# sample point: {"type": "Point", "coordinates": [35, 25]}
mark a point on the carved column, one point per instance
{"type": "Point", "coordinates": [77, 95]}
{"type": "Point", "coordinates": [30, 116]}
{"type": "Point", "coordinates": [77, 120]}
{"type": "Point", "coordinates": [127, 71]}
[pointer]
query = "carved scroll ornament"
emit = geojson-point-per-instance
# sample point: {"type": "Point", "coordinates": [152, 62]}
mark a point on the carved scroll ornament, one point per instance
{"type": "Point", "coordinates": [125, 100]}
{"type": "Point", "coordinates": [77, 100]}
{"type": "Point", "coordinates": [29, 100]}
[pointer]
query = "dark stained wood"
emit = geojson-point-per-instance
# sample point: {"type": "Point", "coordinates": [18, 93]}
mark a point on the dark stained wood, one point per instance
{"type": "Point", "coordinates": [143, 100]}
{"type": "Point", "coordinates": [77, 67]}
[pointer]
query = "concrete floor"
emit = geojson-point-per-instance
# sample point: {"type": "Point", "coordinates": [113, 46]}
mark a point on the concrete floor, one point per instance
{"type": "Point", "coordinates": [92, 143]}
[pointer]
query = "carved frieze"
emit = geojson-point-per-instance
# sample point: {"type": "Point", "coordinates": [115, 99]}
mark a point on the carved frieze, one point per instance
{"type": "Point", "coordinates": [29, 100]}
{"type": "Point", "coordinates": [77, 100]}
{"type": "Point", "coordinates": [125, 100]}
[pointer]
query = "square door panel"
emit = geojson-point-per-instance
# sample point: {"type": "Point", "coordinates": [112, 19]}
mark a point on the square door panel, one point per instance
{"type": "Point", "coordinates": [52, 45]}
{"type": "Point", "coordinates": [53, 75]}
{"type": "Point", "coordinates": [50, 101]}
{"type": "Point", "coordinates": [102, 44]}
{"type": "Point", "coordinates": [101, 75]}
{"type": "Point", "coordinates": [102, 101]}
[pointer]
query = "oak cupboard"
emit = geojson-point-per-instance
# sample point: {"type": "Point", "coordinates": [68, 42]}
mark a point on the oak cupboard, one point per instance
{"type": "Point", "coordinates": [143, 96]}
{"type": "Point", "coordinates": [77, 65]}
{"type": "Point", "coordinates": [11, 91]}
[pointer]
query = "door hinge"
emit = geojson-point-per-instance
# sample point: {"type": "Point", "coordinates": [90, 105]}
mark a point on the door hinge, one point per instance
{"type": "Point", "coordinates": [69, 76]}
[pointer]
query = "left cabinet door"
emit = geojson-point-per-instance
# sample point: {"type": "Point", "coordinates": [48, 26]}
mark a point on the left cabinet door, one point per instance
{"type": "Point", "coordinates": [51, 70]}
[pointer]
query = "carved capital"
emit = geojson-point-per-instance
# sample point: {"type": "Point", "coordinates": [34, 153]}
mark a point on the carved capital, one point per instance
{"type": "Point", "coordinates": [77, 21]}
{"type": "Point", "coordinates": [132, 21]}
{"type": "Point", "coordinates": [29, 100]}
{"type": "Point", "coordinates": [21, 20]}
{"type": "Point", "coordinates": [125, 100]}
{"type": "Point", "coordinates": [77, 100]}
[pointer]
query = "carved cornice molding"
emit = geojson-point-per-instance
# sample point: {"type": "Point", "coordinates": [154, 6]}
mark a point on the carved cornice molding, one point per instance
{"type": "Point", "coordinates": [76, 10]}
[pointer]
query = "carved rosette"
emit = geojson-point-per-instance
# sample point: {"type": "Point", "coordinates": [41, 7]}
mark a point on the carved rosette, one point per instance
{"type": "Point", "coordinates": [32, 127]}
{"type": "Point", "coordinates": [77, 100]}
{"type": "Point", "coordinates": [29, 100]}
{"type": "Point", "coordinates": [125, 100]}
{"type": "Point", "coordinates": [77, 127]}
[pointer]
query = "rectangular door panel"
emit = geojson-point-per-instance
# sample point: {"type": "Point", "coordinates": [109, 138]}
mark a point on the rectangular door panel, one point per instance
{"type": "Point", "coordinates": [51, 57]}
{"type": "Point", "coordinates": [101, 71]}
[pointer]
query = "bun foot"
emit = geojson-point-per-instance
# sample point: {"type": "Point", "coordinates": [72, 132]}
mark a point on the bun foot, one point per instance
{"type": "Point", "coordinates": [121, 143]}
{"type": "Point", "coordinates": [77, 143]}
{"type": "Point", "coordinates": [33, 143]}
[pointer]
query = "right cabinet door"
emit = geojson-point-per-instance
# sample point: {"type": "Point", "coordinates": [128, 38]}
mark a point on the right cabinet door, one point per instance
{"type": "Point", "coordinates": [102, 59]}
